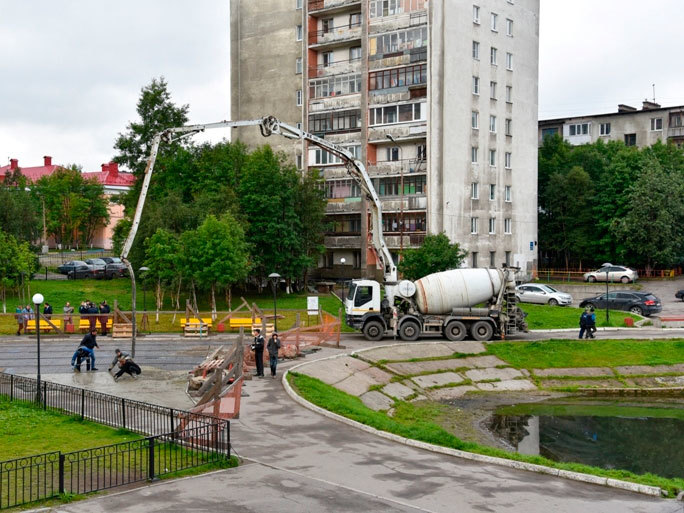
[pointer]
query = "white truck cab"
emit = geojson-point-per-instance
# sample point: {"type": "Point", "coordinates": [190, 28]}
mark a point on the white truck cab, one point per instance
{"type": "Point", "coordinates": [363, 298]}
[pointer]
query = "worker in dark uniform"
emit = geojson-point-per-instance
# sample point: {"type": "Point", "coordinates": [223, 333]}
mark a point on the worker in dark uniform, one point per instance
{"type": "Point", "coordinates": [258, 348]}
{"type": "Point", "coordinates": [89, 343]}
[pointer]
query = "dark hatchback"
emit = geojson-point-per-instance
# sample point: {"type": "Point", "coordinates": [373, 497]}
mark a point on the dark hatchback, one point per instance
{"type": "Point", "coordinates": [115, 267]}
{"type": "Point", "coordinates": [77, 269]}
{"type": "Point", "coordinates": [640, 303]}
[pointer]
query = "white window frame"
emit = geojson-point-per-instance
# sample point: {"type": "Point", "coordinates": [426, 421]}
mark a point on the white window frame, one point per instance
{"type": "Point", "coordinates": [492, 225]}
{"type": "Point", "coordinates": [299, 31]}
{"type": "Point", "coordinates": [476, 85]}
{"type": "Point", "coordinates": [473, 154]}
{"type": "Point", "coordinates": [299, 161]}
{"type": "Point", "coordinates": [492, 158]}
{"type": "Point", "coordinates": [494, 18]}
{"type": "Point", "coordinates": [476, 50]}
{"type": "Point", "coordinates": [492, 123]}
{"type": "Point", "coordinates": [474, 191]}
{"type": "Point", "coordinates": [509, 61]}
{"type": "Point", "coordinates": [507, 160]}
{"type": "Point", "coordinates": [474, 225]}
{"type": "Point", "coordinates": [509, 94]}
{"type": "Point", "coordinates": [492, 56]}
{"type": "Point", "coordinates": [508, 125]}
{"type": "Point", "coordinates": [492, 192]}
{"type": "Point", "coordinates": [656, 124]}
{"type": "Point", "coordinates": [299, 97]}
{"type": "Point", "coordinates": [299, 4]}
{"type": "Point", "coordinates": [475, 120]}
{"type": "Point", "coordinates": [578, 129]}
{"type": "Point", "coordinates": [492, 90]}
{"type": "Point", "coordinates": [509, 27]}
{"type": "Point", "coordinates": [604, 129]}
{"type": "Point", "coordinates": [298, 66]}
{"type": "Point", "coordinates": [508, 226]}
{"type": "Point", "coordinates": [507, 194]}
{"type": "Point", "coordinates": [418, 112]}
{"type": "Point", "coordinates": [476, 14]}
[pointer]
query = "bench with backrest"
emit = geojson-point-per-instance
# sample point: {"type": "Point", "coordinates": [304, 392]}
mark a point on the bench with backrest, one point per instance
{"type": "Point", "coordinates": [44, 326]}
{"type": "Point", "coordinates": [84, 323]}
{"type": "Point", "coordinates": [196, 327]}
{"type": "Point", "coordinates": [243, 322]}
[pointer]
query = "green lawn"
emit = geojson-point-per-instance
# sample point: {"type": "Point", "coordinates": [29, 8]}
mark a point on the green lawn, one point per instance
{"type": "Point", "coordinates": [543, 317]}
{"type": "Point", "coordinates": [421, 422]}
{"type": "Point", "coordinates": [590, 353]}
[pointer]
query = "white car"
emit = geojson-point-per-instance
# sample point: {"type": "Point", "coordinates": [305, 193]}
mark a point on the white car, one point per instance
{"type": "Point", "coordinates": [542, 295]}
{"type": "Point", "coordinates": [613, 273]}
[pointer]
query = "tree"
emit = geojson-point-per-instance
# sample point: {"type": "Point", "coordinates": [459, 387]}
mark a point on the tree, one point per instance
{"type": "Point", "coordinates": [310, 206]}
{"type": "Point", "coordinates": [16, 258]}
{"type": "Point", "coordinates": [74, 206]}
{"type": "Point", "coordinates": [436, 254]}
{"type": "Point", "coordinates": [162, 258]}
{"type": "Point", "coordinates": [20, 216]}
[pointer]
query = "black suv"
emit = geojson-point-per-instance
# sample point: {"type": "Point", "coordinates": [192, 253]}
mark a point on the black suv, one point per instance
{"type": "Point", "coordinates": [640, 303]}
{"type": "Point", "coordinates": [115, 267]}
{"type": "Point", "coordinates": [77, 269]}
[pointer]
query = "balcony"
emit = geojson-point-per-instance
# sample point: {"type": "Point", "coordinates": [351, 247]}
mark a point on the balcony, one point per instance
{"type": "Point", "coordinates": [414, 202]}
{"type": "Point", "coordinates": [347, 101]}
{"type": "Point", "coordinates": [342, 241]}
{"type": "Point", "coordinates": [410, 131]}
{"type": "Point", "coordinates": [319, 7]}
{"type": "Point", "coordinates": [335, 68]}
{"type": "Point", "coordinates": [675, 132]}
{"type": "Point", "coordinates": [343, 206]}
{"type": "Point", "coordinates": [411, 240]}
{"type": "Point", "coordinates": [397, 167]}
{"type": "Point", "coordinates": [335, 36]}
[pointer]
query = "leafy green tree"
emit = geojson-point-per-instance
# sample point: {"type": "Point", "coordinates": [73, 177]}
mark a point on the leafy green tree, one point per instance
{"type": "Point", "coordinates": [74, 207]}
{"type": "Point", "coordinates": [162, 252]}
{"type": "Point", "coordinates": [15, 258]}
{"type": "Point", "coordinates": [310, 204]}
{"type": "Point", "coordinates": [20, 216]}
{"type": "Point", "coordinates": [436, 254]}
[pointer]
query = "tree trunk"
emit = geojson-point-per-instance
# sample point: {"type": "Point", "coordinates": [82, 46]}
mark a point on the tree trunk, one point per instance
{"type": "Point", "coordinates": [229, 297]}
{"type": "Point", "coordinates": [180, 280]}
{"type": "Point", "coordinates": [194, 296]}
{"type": "Point", "coordinates": [4, 302]}
{"type": "Point", "coordinates": [213, 301]}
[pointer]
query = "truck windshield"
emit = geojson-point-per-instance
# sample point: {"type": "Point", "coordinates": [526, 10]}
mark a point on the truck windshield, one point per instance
{"type": "Point", "coordinates": [352, 290]}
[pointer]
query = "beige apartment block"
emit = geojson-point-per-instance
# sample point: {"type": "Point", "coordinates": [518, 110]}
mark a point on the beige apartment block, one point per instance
{"type": "Point", "coordinates": [438, 99]}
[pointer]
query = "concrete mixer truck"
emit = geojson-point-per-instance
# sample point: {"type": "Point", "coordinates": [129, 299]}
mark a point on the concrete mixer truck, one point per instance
{"type": "Point", "coordinates": [454, 304]}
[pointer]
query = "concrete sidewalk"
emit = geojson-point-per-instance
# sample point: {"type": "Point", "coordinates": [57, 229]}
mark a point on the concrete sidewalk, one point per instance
{"type": "Point", "coordinates": [296, 460]}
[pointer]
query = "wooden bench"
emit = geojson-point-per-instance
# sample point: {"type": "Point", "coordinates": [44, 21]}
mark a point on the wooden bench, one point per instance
{"type": "Point", "coordinates": [44, 326]}
{"type": "Point", "coordinates": [196, 327]}
{"type": "Point", "coordinates": [243, 322]}
{"type": "Point", "coordinates": [122, 330]}
{"type": "Point", "coordinates": [84, 323]}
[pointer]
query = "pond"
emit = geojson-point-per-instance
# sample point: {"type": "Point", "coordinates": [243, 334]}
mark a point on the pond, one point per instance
{"type": "Point", "coordinates": [637, 437]}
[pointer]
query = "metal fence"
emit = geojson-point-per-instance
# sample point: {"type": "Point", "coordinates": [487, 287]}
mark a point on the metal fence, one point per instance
{"type": "Point", "coordinates": [179, 440]}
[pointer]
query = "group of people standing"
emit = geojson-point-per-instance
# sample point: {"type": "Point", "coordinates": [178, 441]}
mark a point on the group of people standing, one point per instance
{"type": "Point", "coordinates": [587, 323]}
{"type": "Point", "coordinates": [87, 310]}
{"type": "Point", "coordinates": [93, 313]}
{"type": "Point", "coordinates": [272, 347]}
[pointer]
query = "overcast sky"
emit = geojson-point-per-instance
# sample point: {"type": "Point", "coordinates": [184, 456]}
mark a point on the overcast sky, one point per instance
{"type": "Point", "coordinates": [72, 70]}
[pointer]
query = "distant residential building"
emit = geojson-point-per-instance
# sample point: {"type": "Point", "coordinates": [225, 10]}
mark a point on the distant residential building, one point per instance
{"type": "Point", "coordinates": [630, 125]}
{"type": "Point", "coordinates": [113, 181]}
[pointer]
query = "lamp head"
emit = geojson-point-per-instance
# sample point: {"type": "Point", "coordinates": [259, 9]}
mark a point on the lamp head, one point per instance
{"type": "Point", "coordinates": [38, 299]}
{"type": "Point", "coordinates": [144, 269]}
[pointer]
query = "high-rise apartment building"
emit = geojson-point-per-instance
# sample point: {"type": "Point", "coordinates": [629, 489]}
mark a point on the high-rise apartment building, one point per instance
{"type": "Point", "coordinates": [438, 98]}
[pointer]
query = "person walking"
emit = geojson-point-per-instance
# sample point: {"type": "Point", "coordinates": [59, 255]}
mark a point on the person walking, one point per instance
{"type": "Point", "coordinates": [104, 316]}
{"type": "Point", "coordinates": [273, 346]}
{"type": "Point", "coordinates": [89, 342]}
{"type": "Point", "coordinates": [591, 323]}
{"type": "Point", "coordinates": [584, 320]}
{"type": "Point", "coordinates": [126, 364]}
{"type": "Point", "coordinates": [47, 310]}
{"type": "Point", "coordinates": [25, 314]}
{"type": "Point", "coordinates": [258, 348]}
{"type": "Point", "coordinates": [19, 316]}
{"type": "Point", "coordinates": [68, 311]}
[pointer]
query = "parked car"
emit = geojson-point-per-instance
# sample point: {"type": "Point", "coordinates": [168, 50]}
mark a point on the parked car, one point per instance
{"type": "Point", "coordinates": [67, 267]}
{"type": "Point", "coordinates": [613, 273]}
{"type": "Point", "coordinates": [115, 268]}
{"type": "Point", "coordinates": [640, 303]}
{"type": "Point", "coordinates": [98, 266]}
{"type": "Point", "coordinates": [541, 294]}
{"type": "Point", "coordinates": [680, 294]}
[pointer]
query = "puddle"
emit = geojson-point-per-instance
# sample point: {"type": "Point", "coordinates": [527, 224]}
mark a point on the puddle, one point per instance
{"type": "Point", "coordinates": [632, 436]}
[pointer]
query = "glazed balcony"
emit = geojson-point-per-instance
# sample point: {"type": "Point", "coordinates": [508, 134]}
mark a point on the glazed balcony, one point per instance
{"type": "Point", "coordinates": [335, 36]}
{"type": "Point", "coordinates": [326, 7]}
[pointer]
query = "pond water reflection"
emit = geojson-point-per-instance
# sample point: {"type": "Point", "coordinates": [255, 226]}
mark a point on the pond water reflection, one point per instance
{"type": "Point", "coordinates": [639, 439]}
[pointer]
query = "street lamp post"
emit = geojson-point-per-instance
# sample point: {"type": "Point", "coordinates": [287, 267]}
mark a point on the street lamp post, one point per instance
{"type": "Point", "coordinates": [343, 261]}
{"type": "Point", "coordinates": [37, 301]}
{"type": "Point", "coordinates": [275, 278]}
{"type": "Point", "coordinates": [401, 198]}
{"type": "Point", "coordinates": [607, 312]}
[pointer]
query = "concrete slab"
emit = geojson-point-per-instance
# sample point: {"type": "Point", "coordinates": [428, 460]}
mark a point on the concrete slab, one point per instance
{"type": "Point", "coordinates": [582, 383]}
{"type": "Point", "coordinates": [398, 390]}
{"type": "Point", "coordinates": [470, 362]}
{"type": "Point", "coordinates": [631, 370]}
{"type": "Point", "coordinates": [408, 351]}
{"type": "Point", "coordinates": [487, 374]}
{"type": "Point", "coordinates": [654, 382]}
{"type": "Point", "coordinates": [511, 385]}
{"type": "Point", "coordinates": [357, 384]}
{"type": "Point", "coordinates": [334, 370]}
{"type": "Point", "coordinates": [378, 375]}
{"type": "Point", "coordinates": [441, 379]}
{"type": "Point", "coordinates": [580, 372]}
{"type": "Point", "coordinates": [444, 394]}
{"type": "Point", "coordinates": [467, 347]}
{"type": "Point", "coordinates": [376, 400]}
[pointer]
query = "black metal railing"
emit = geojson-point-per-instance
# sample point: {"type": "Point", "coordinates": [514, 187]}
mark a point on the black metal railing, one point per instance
{"type": "Point", "coordinates": [179, 440]}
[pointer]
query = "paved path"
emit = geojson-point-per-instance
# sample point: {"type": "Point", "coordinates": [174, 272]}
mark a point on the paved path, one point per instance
{"type": "Point", "coordinates": [298, 461]}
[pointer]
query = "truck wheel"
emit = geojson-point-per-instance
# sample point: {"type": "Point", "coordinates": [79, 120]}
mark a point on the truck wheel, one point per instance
{"type": "Point", "coordinates": [455, 331]}
{"type": "Point", "coordinates": [373, 330]}
{"type": "Point", "coordinates": [409, 331]}
{"type": "Point", "coordinates": [482, 330]}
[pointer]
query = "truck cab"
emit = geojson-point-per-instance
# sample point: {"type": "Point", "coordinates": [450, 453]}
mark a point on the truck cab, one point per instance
{"type": "Point", "coordinates": [362, 302]}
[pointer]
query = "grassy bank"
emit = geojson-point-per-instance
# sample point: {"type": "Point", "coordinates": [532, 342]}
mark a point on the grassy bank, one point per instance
{"type": "Point", "coordinates": [542, 317]}
{"type": "Point", "coordinates": [421, 423]}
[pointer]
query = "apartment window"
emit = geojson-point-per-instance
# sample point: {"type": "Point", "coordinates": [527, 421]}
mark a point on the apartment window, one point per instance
{"type": "Point", "coordinates": [508, 226]}
{"type": "Point", "coordinates": [398, 77]}
{"type": "Point", "coordinates": [391, 114]}
{"type": "Point", "coordinates": [326, 25]}
{"type": "Point", "coordinates": [630, 139]}
{"type": "Point", "coordinates": [298, 66]}
{"type": "Point", "coordinates": [337, 121]}
{"type": "Point", "coordinates": [354, 19]}
{"type": "Point", "coordinates": [421, 152]}
{"type": "Point", "coordinates": [656, 123]}
{"type": "Point", "coordinates": [492, 225]}
{"type": "Point", "coordinates": [354, 53]}
{"type": "Point", "coordinates": [413, 184]}
{"type": "Point", "coordinates": [405, 40]}
{"type": "Point", "coordinates": [507, 160]}
{"type": "Point", "coordinates": [509, 127]}
{"type": "Point", "coordinates": [492, 259]}
{"type": "Point", "coordinates": [507, 193]}
{"type": "Point", "coordinates": [393, 154]}
{"type": "Point", "coordinates": [473, 228]}
{"type": "Point", "coordinates": [579, 129]}
{"type": "Point", "coordinates": [492, 90]}
{"type": "Point", "coordinates": [327, 59]}
{"type": "Point", "coordinates": [604, 129]}
{"type": "Point", "coordinates": [492, 56]}
{"type": "Point", "coordinates": [299, 32]}
{"type": "Point", "coordinates": [474, 258]}
{"type": "Point", "coordinates": [509, 94]}
{"type": "Point", "coordinates": [492, 124]}
{"type": "Point", "coordinates": [509, 27]}
{"type": "Point", "coordinates": [492, 192]}
{"type": "Point", "coordinates": [476, 14]}
{"type": "Point", "coordinates": [474, 190]}
{"type": "Point", "coordinates": [494, 19]}
{"type": "Point", "coordinates": [476, 85]}
{"type": "Point", "coordinates": [509, 60]}
{"type": "Point", "coordinates": [298, 4]}
{"type": "Point", "coordinates": [299, 161]}
{"type": "Point", "coordinates": [475, 119]}
{"type": "Point", "coordinates": [299, 97]}
{"type": "Point", "coordinates": [492, 157]}
{"type": "Point", "coordinates": [335, 85]}
{"type": "Point", "coordinates": [473, 154]}
{"type": "Point", "coordinates": [476, 50]}
{"type": "Point", "coordinates": [508, 257]}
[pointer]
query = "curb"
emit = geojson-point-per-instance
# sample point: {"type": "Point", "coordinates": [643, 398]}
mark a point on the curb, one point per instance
{"type": "Point", "coordinates": [652, 491]}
